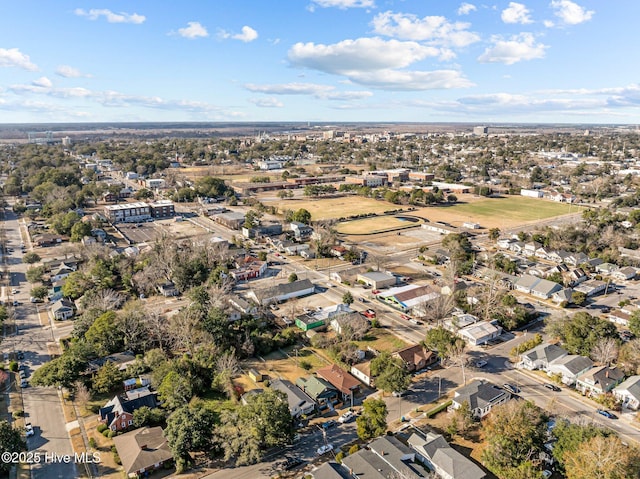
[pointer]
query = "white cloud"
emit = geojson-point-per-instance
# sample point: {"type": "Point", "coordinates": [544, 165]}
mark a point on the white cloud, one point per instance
{"type": "Point", "coordinates": [548, 23]}
{"type": "Point", "coordinates": [110, 16]}
{"type": "Point", "coordinates": [67, 71]}
{"type": "Point", "coordinates": [13, 57]}
{"type": "Point", "coordinates": [325, 92]}
{"type": "Point", "coordinates": [517, 48]}
{"type": "Point", "coordinates": [247, 35]}
{"type": "Point", "coordinates": [43, 82]}
{"type": "Point", "coordinates": [361, 54]}
{"type": "Point", "coordinates": [466, 8]}
{"type": "Point", "coordinates": [436, 29]}
{"type": "Point", "coordinates": [397, 80]}
{"type": "Point", "coordinates": [267, 102]}
{"type": "Point", "coordinates": [193, 30]}
{"type": "Point", "coordinates": [344, 4]}
{"type": "Point", "coordinates": [570, 13]}
{"type": "Point", "coordinates": [516, 13]}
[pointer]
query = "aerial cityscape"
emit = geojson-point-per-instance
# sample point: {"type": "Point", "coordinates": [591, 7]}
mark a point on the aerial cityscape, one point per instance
{"type": "Point", "coordinates": [332, 239]}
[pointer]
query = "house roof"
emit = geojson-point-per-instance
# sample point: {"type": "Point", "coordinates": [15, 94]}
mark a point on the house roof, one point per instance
{"type": "Point", "coordinates": [631, 385]}
{"type": "Point", "coordinates": [118, 405]}
{"type": "Point", "coordinates": [545, 352]}
{"type": "Point", "coordinates": [382, 460]}
{"type": "Point", "coordinates": [329, 470]}
{"type": "Point", "coordinates": [479, 394]}
{"type": "Point", "coordinates": [573, 363]}
{"type": "Point", "coordinates": [299, 401]}
{"type": "Point", "coordinates": [142, 448]}
{"type": "Point", "coordinates": [414, 354]}
{"type": "Point", "coordinates": [377, 276]}
{"type": "Point", "coordinates": [442, 455]}
{"type": "Point", "coordinates": [340, 378]}
{"type": "Point", "coordinates": [314, 386]}
{"type": "Point", "coordinates": [604, 376]}
{"type": "Point", "coordinates": [61, 304]}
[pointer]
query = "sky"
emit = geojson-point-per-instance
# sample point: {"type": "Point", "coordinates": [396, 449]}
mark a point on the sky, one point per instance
{"type": "Point", "coordinates": [550, 61]}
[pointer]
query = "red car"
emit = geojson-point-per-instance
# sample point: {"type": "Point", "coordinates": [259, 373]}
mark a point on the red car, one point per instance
{"type": "Point", "coordinates": [369, 313]}
{"type": "Point", "coordinates": [405, 317]}
{"type": "Point", "coordinates": [376, 291]}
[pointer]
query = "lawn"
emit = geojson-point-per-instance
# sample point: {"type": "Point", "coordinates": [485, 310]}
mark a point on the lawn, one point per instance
{"type": "Point", "coordinates": [377, 224]}
{"type": "Point", "coordinates": [514, 207]}
{"type": "Point", "coordinates": [333, 208]}
{"type": "Point", "coordinates": [381, 340]}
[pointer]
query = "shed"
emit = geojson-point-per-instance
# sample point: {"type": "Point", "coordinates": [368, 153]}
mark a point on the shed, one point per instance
{"type": "Point", "coordinates": [256, 376]}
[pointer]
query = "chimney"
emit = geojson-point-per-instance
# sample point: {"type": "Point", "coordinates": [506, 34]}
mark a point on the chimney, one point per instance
{"type": "Point", "coordinates": [606, 374]}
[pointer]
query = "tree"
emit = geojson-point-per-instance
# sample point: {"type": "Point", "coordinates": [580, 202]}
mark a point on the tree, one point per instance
{"type": "Point", "coordinates": [264, 422]}
{"type": "Point", "coordinates": [581, 333]}
{"type": "Point", "coordinates": [578, 298]}
{"type": "Point", "coordinates": [10, 442]}
{"type": "Point", "coordinates": [373, 420]}
{"type": "Point", "coordinates": [107, 378]}
{"type": "Point", "coordinates": [61, 371]}
{"type": "Point", "coordinates": [515, 433]}
{"type": "Point", "coordinates": [602, 458]}
{"type": "Point", "coordinates": [146, 416]}
{"type": "Point", "coordinates": [629, 357]}
{"type": "Point", "coordinates": [390, 373]}
{"type": "Point", "coordinates": [571, 436]}
{"type": "Point", "coordinates": [605, 351]}
{"type": "Point", "coordinates": [175, 390]}
{"type": "Point", "coordinates": [39, 292]}
{"type": "Point", "coordinates": [347, 298]}
{"type": "Point", "coordinates": [190, 429]}
{"type": "Point", "coordinates": [634, 322]}
{"type": "Point", "coordinates": [494, 234]}
{"type": "Point", "coordinates": [439, 339]}
{"type": "Point", "coordinates": [104, 336]}
{"type": "Point", "coordinates": [302, 216]}
{"type": "Point", "coordinates": [293, 277]}
{"type": "Point", "coordinates": [34, 274]}
{"type": "Point", "coordinates": [262, 255]}
{"type": "Point", "coordinates": [31, 257]}
{"type": "Point", "coordinates": [79, 231]}
{"type": "Point", "coordinates": [81, 394]}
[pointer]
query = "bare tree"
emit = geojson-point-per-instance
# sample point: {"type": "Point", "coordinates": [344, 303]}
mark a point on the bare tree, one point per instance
{"type": "Point", "coordinates": [227, 366]}
{"type": "Point", "coordinates": [353, 326]}
{"type": "Point", "coordinates": [185, 330]}
{"type": "Point", "coordinates": [456, 353]}
{"type": "Point", "coordinates": [437, 309]}
{"type": "Point", "coordinates": [82, 394]}
{"type": "Point", "coordinates": [605, 351]}
{"type": "Point", "coordinates": [106, 300]}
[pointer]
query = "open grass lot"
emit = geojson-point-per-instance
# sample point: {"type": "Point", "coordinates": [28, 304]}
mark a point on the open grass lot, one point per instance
{"type": "Point", "coordinates": [333, 208]}
{"type": "Point", "coordinates": [278, 365]}
{"type": "Point", "coordinates": [377, 224]}
{"type": "Point", "coordinates": [516, 208]}
{"type": "Point", "coordinates": [381, 339]}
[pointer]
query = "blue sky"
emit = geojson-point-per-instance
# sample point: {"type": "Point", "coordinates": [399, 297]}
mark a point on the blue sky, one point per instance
{"type": "Point", "coordinates": [320, 60]}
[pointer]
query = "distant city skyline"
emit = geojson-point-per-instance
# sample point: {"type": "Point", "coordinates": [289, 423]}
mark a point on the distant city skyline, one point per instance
{"type": "Point", "coordinates": [554, 61]}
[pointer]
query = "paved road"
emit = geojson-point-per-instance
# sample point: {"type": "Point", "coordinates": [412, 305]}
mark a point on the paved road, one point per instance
{"type": "Point", "coordinates": [304, 449]}
{"type": "Point", "coordinates": [41, 405]}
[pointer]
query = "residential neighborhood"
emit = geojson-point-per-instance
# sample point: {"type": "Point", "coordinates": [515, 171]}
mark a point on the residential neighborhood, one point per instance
{"type": "Point", "coordinates": [303, 316]}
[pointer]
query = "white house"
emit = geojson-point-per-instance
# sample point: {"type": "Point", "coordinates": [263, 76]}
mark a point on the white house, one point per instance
{"type": "Point", "coordinates": [541, 356]}
{"type": "Point", "coordinates": [569, 367]}
{"type": "Point", "coordinates": [628, 392]}
{"type": "Point", "coordinates": [480, 333]}
{"type": "Point", "coordinates": [481, 396]}
{"type": "Point", "coordinates": [434, 451]}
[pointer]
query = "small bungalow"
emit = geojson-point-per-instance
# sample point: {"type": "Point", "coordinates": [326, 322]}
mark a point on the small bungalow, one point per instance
{"type": "Point", "coordinates": [569, 367]}
{"type": "Point", "coordinates": [362, 371]}
{"type": "Point", "coordinates": [168, 289]}
{"type": "Point", "coordinates": [62, 309]}
{"type": "Point", "coordinates": [628, 392]}
{"type": "Point", "coordinates": [299, 402]}
{"type": "Point", "coordinates": [341, 380]}
{"type": "Point", "coordinates": [117, 414]}
{"type": "Point", "coordinates": [541, 356]}
{"type": "Point", "coordinates": [599, 380]}
{"type": "Point", "coordinates": [416, 357]}
{"type": "Point", "coordinates": [321, 391]}
{"type": "Point", "coordinates": [143, 450]}
{"type": "Point", "coordinates": [481, 396]}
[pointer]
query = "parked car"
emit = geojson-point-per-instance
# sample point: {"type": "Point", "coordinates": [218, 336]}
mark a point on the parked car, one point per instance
{"type": "Point", "coordinates": [547, 473]}
{"type": "Point", "coordinates": [324, 449]}
{"type": "Point", "coordinates": [553, 387]}
{"type": "Point", "coordinates": [480, 364]}
{"type": "Point", "coordinates": [405, 317]}
{"type": "Point", "coordinates": [347, 417]}
{"type": "Point", "coordinates": [511, 388]}
{"type": "Point", "coordinates": [329, 424]}
{"type": "Point", "coordinates": [399, 394]}
{"type": "Point", "coordinates": [607, 414]}
{"type": "Point", "coordinates": [291, 462]}
{"type": "Point", "coordinates": [369, 313]}
{"type": "Point", "coordinates": [20, 354]}
{"type": "Point", "coordinates": [29, 429]}
{"type": "Point", "coordinates": [23, 375]}
{"type": "Point", "coordinates": [24, 383]}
